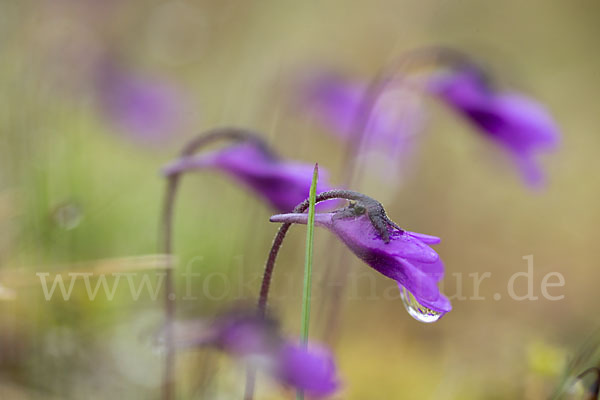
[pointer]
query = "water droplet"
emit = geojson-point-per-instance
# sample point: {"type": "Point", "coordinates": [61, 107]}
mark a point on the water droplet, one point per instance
{"type": "Point", "coordinates": [67, 215]}
{"type": "Point", "coordinates": [417, 310]}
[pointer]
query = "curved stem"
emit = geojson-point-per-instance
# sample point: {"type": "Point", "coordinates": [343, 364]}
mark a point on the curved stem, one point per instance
{"type": "Point", "coordinates": [283, 229]}
{"type": "Point", "coordinates": [229, 133]}
{"type": "Point", "coordinates": [596, 370]}
{"type": "Point", "coordinates": [270, 264]}
{"type": "Point", "coordinates": [407, 63]}
{"type": "Point", "coordinates": [269, 267]}
{"type": "Point", "coordinates": [235, 134]}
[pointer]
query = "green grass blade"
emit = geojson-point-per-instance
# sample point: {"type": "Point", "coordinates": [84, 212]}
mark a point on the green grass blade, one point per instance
{"type": "Point", "coordinates": [306, 294]}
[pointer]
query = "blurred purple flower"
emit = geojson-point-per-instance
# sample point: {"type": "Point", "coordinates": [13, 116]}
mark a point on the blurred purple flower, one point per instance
{"type": "Point", "coordinates": [395, 120]}
{"type": "Point", "coordinates": [334, 101]}
{"type": "Point", "coordinates": [258, 340]}
{"type": "Point", "coordinates": [239, 334]}
{"type": "Point", "coordinates": [407, 258]}
{"type": "Point", "coordinates": [312, 370]}
{"type": "Point", "coordinates": [517, 123]}
{"type": "Point", "coordinates": [283, 184]}
{"type": "Point", "coordinates": [150, 110]}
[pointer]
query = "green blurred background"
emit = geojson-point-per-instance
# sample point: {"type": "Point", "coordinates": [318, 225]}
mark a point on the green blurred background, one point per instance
{"type": "Point", "coordinates": [78, 193]}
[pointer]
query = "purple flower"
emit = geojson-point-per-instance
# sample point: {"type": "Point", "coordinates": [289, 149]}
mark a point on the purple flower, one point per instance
{"type": "Point", "coordinates": [517, 123]}
{"type": "Point", "coordinates": [148, 109]}
{"type": "Point", "coordinates": [258, 341]}
{"type": "Point", "coordinates": [395, 120]}
{"type": "Point", "coordinates": [283, 184]}
{"type": "Point", "coordinates": [243, 335]}
{"type": "Point", "coordinates": [407, 258]}
{"type": "Point", "coordinates": [314, 371]}
{"type": "Point", "coordinates": [334, 101]}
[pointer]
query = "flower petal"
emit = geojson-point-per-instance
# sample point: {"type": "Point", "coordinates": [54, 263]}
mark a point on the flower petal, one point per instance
{"type": "Point", "coordinates": [427, 239]}
{"type": "Point", "coordinates": [311, 370]}
{"type": "Point", "coordinates": [148, 109]}
{"type": "Point", "coordinates": [284, 184]}
{"type": "Point", "coordinates": [359, 232]}
{"type": "Point", "coordinates": [334, 101]}
{"type": "Point", "coordinates": [514, 121]}
{"type": "Point", "coordinates": [321, 219]}
{"type": "Point", "coordinates": [405, 259]}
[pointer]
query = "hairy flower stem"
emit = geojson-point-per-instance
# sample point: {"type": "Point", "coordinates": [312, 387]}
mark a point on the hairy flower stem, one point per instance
{"type": "Point", "coordinates": [234, 134]}
{"type": "Point", "coordinates": [283, 229]}
{"type": "Point", "coordinates": [370, 204]}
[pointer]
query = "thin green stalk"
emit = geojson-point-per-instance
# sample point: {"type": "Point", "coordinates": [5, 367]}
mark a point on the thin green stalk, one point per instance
{"type": "Point", "coordinates": [309, 256]}
{"type": "Point", "coordinates": [306, 293]}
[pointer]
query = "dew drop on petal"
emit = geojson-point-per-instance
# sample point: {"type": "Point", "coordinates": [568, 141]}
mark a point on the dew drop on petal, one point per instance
{"type": "Point", "coordinates": [417, 310]}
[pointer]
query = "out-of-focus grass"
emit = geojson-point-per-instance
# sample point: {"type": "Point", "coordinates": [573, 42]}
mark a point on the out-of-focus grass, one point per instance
{"type": "Point", "coordinates": [236, 60]}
